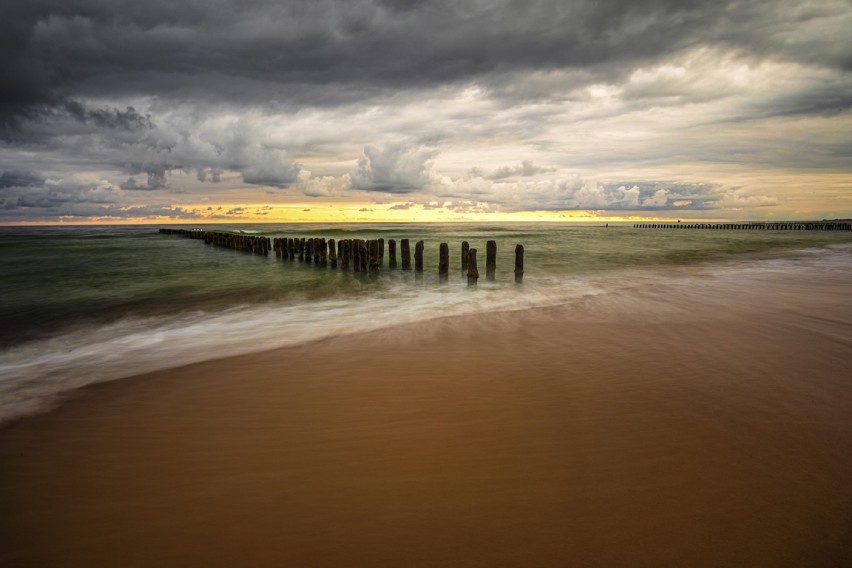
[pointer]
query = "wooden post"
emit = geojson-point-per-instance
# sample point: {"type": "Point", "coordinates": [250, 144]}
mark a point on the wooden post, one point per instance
{"type": "Point", "coordinates": [418, 259]}
{"type": "Point", "coordinates": [332, 253]}
{"type": "Point", "coordinates": [343, 255]}
{"type": "Point", "coordinates": [301, 247]}
{"type": "Point", "coordinates": [472, 272]}
{"type": "Point", "coordinates": [362, 253]}
{"type": "Point", "coordinates": [443, 263]}
{"type": "Point", "coordinates": [381, 252]}
{"type": "Point", "coordinates": [490, 259]}
{"type": "Point", "coordinates": [374, 258]}
{"type": "Point", "coordinates": [465, 249]}
{"type": "Point", "coordinates": [406, 254]}
{"type": "Point", "coordinates": [323, 252]}
{"type": "Point", "coordinates": [356, 256]}
{"type": "Point", "coordinates": [391, 253]}
{"type": "Point", "coordinates": [519, 263]}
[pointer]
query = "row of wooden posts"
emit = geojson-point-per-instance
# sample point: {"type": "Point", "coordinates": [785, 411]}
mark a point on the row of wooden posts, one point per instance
{"type": "Point", "coordinates": [363, 256]}
{"type": "Point", "coordinates": [754, 226]}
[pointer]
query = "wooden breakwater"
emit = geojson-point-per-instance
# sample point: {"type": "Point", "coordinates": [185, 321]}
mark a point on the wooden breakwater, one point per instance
{"type": "Point", "coordinates": [754, 226]}
{"type": "Point", "coordinates": [360, 256]}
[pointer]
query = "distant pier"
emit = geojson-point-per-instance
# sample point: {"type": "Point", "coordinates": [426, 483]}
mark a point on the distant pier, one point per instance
{"type": "Point", "coordinates": [754, 226]}
{"type": "Point", "coordinates": [358, 256]}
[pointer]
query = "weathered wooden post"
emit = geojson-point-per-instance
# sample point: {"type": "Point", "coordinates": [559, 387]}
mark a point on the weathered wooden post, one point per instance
{"type": "Point", "coordinates": [465, 249]}
{"type": "Point", "coordinates": [406, 254]}
{"type": "Point", "coordinates": [332, 253]}
{"type": "Point", "coordinates": [490, 259]}
{"type": "Point", "coordinates": [472, 272]}
{"type": "Point", "coordinates": [443, 263]}
{"type": "Point", "coordinates": [276, 246]}
{"type": "Point", "coordinates": [381, 252]}
{"type": "Point", "coordinates": [301, 247]}
{"type": "Point", "coordinates": [317, 246]}
{"type": "Point", "coordinates": [323, 252]}
{"type": "Point", "coordinates": [519, 263]}
{"type": "Point", "coordinates": [391, 253]}
{"type": "Point", "coordinates": [418, 259]}
{"type": "Point", "coordinates": [356, 256]}
{"type": "Point", "coordinates": [362, 253]}
{"type": "Point", "coordinates": [344, 254]}
{"type": "Point", "coordinates": [374, 258]}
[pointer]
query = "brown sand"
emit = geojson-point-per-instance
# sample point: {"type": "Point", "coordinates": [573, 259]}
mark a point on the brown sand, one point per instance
{"type": "Point", "coordinates": [701, 437]}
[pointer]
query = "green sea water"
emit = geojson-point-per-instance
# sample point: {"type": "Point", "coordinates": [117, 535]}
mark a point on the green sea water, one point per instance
{"type": "Point", "coordinates": [84, 304]}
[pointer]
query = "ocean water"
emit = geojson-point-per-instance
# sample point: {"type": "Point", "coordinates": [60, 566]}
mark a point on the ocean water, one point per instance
{"type": "Point", "coordinates": [86, 304]}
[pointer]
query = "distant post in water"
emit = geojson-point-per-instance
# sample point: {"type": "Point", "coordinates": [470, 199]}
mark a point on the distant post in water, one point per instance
{"type": "Point", "coordinates": [356, 256]}
{"type": "Point", "coordinates": [323, 252]}
{"type": "Point", "coordinates": [406, 254]}
{"type": "Point", "coordinates": [472, 272]}
{"type": "Point", "coordinates": [391, 253]}
{"type": "Point", "coordinates": [374, 258]}
{"type": "Point", "coordinates": [362, 251]}
{"type": "Point", "coordinates": [332, 253]}
{"type": "Point", "coordinates": [381, 252]}
{"type": "Point", "coordinates": [490, 259]}
{"type": "Point", "coordinates": [443, 263]}
{"type": "Point", "coordinates": [519, 263]}
{"type": "Point", "coordinates": [418, 259]}
{"type": "Point", "coordinates": [465, 249]}
{"type": "Point", "coordinates": [344, 254]}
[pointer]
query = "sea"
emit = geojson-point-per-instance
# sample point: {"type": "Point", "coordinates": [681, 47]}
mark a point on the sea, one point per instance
{"type": "Point", "coordinates": [87, 304]}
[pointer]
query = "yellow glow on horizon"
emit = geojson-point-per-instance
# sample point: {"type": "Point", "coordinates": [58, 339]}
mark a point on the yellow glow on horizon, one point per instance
{"type": "Point", "coordinates": [351, 212]}
{"type": "Point", "coordinates": [343, 213]}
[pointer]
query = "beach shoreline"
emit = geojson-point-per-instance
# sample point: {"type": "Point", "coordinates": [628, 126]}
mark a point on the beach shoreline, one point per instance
{"type": "Point", "coordinates": [617, 431]}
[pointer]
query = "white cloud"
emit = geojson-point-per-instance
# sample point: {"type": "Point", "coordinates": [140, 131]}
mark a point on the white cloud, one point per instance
{"type": "Point", "coordinates": [397, 167]}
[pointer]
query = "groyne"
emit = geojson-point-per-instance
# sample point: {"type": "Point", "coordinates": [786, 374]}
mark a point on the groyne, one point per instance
{"type": "Point", "coordinates": [360, 256]}
{"type": "Point", "coordinates": [754, 226]}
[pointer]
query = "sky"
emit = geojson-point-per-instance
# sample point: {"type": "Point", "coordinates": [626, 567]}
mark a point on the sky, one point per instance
{"type": "Point", "coordinates": [197, 111]}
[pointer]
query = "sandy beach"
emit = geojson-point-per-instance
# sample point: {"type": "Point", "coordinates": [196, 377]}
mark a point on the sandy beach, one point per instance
{"type": "Point", "coordinates": [713, 432]}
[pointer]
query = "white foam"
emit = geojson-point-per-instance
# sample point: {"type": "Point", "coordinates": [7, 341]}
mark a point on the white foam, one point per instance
{"type": "Point", "coordinates": [31, 375]}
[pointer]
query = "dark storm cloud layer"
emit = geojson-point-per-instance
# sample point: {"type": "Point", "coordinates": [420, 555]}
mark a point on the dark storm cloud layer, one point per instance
{"type": "Point", "coordinates": [292, 52]}
{"type": "Point", "coordinates": [223, 89]}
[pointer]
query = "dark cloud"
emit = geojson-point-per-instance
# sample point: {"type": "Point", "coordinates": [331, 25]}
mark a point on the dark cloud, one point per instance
{"type": "Point", "coordinates": [128, 119]}
{"type": "Point", "coordinates": [10, 178]}
{"type": "Point", "coordinates": [526, 169]}
{"type": "Point", "coordinates": [252, 90]}
{"type": "Point", "coordinates": [295, 52]}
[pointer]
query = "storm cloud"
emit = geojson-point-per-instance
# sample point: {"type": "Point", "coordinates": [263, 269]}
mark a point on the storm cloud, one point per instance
{"type": "Point", "coordinates": [516, 105]}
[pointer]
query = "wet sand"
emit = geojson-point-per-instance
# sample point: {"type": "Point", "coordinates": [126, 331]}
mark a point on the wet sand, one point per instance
{"type": "Point", "coordinates": [714, 432]}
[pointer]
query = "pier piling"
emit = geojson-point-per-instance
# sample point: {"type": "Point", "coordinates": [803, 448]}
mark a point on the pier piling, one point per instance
{"type": "Point", "coordinates": [406, 254]}
{"type": "Point", "coordinates": [519, 263]}
{"type": "Point", "coordinates": [472, 272]}
{"type": "Point", "coordinates": [490, 260]}
{"type": "Point", "coordinates": [418, 259]}
{"type": "Point", "coordinates": [443, 263]}
{"type": "Point", "coordinates": [391, 253]}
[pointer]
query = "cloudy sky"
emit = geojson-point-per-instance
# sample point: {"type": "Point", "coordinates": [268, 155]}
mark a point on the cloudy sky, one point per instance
{"type": "Point", "coordinates": [194, 110]}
